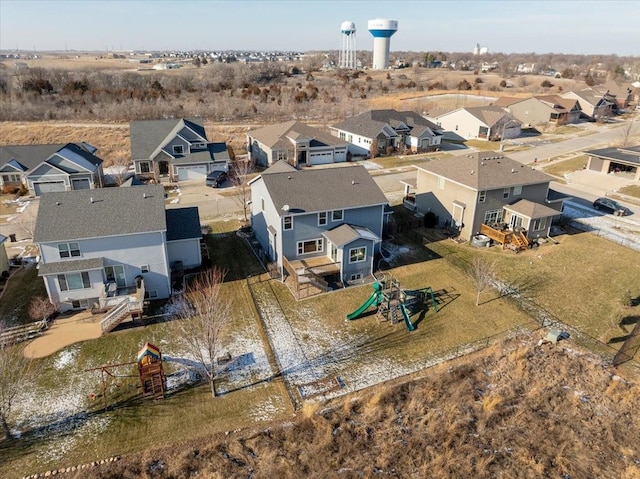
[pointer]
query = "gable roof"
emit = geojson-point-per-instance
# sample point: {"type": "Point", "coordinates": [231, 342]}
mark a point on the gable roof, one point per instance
{"type": "Point", "coordinates": [279, 135]}
{"type": "Point", "coordinates": [531, 209]}
{"type": "Point", "coordinates": [370, 123]}
{"type": "Point", "coordinates": [345, 234]}
{"type": "Point", "coordinates": [627, 154]}
{"type": "Point", "coordinates": [588, 95]}
{"type": "Point", "coordinates": [279, 166]}
{"type": "Point", "coordinates": [489, 115]}
{"type": "Point", "coordinates": [183, 223]}
{"type": "Point", "coordinates": [322, 189]}
{"type": "Point", "coordinates": [30, 156]}
{"type": "Point", "coordinates": [484, 171]}
{"type": "Point", "coordinates": [148, 135]}
{"type": "Point", "coordinates": [102, 212]}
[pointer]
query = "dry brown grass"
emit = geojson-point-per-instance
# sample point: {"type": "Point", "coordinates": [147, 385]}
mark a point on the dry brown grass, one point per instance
{"type": "Point", "coordinates": [515, 410]}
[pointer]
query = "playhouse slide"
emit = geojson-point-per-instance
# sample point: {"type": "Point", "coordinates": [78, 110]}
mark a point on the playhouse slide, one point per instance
{"type": "Point", "coordinates": [405, 315]}
{"type": "Point", "coordinates": [373, 299]}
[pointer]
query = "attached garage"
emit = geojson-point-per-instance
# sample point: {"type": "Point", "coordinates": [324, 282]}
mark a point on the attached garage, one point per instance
{"type": "Point", "coordinates": [48, 187]}
{"type": "Point", "coordinates": [194, 172]}
{"type": "Point", "coordinates": [80, 184]}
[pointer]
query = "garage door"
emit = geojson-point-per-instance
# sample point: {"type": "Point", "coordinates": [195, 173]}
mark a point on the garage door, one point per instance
{"type": "Point", "coordinates": [192, 173]}
{"type": "Point", "coordinates": [48, 187]}
{"type": "Point", "coordinates": [82, 184]}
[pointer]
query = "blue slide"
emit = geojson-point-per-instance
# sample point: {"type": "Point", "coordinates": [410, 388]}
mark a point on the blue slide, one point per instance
{"type": "Point", "coordinates": [405, 315]}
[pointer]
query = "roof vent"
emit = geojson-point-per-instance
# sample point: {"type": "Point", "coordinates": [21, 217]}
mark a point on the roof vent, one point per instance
{"type": "Point", "coordinates": [353, 182]}
{"type": "Point", "coordinates": [472, 172]}
{"type": "Point", "coordinates": [144, 195]}
{"type": "Point", "coordinates": [288, 177]}
{"type": "Point", "coordinates": [482, 163]}
{"type": "Point", "coordinates": [285, 208]}
{"type": "Point", "coordinates": [91, 199]}
{"type": "Point", "coordinates": [513, 170]}
{"type": "Point", "coordinates": [58, 203]}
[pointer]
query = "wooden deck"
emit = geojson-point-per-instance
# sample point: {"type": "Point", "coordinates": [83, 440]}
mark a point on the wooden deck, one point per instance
{"type": "Point", "coordinates": [514, 240]}
{"type": "Point", "coordinates": [320, 265]}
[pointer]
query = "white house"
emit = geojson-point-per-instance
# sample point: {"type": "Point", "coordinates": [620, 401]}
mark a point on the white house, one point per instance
{"type": "Point", "coordinates": [380, 129]}
{"type": "Point", "coordinates": [97, 245]}
{"type": "Point", "coordinates": [480, 123]}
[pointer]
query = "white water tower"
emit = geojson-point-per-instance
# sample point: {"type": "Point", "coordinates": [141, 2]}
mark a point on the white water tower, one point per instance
{"type": "Point", "coordinates": [347, 54]}
{"type": "Point", "coordinates": [382, 30]}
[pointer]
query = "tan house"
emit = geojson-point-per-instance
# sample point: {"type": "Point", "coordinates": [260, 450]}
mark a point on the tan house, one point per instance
{"type": "Point", "coordinates": [542, 110]}
{"type": "Point", "coordinates": [296, 143]}
{"type": "Point", "coordinates": [489, 123]}
{"type": "Point", "coordinates": [624, 161]}
{"type": "Point", "coordinates": [593, 104]}
{"type": "Point", "coordinates": [486, 193]}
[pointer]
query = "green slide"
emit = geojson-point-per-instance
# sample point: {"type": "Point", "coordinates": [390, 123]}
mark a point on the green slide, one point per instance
{"type": "Point", "coordinates": [375, 298]}
{"type": "Point", "coordinates": [405, 315]}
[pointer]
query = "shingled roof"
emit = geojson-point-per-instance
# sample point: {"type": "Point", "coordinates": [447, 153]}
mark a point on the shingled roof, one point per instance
{"type": "Point", "coordinates": [484, 171]}
{"type": "Point", "coordinates": [276, 135]}
{"type": "Point", "coordinates": [30, 156]}
{"type": "Point", "coordinates": [370, 123]}
{"type": "Point", "coordinates": [183, 223]}
{"type": "Point", "coordinates": [323, 189]}
{"type": "Point", "coordinates": [97, 213]}
{"type": "Point", "coordinates": [148, 135]}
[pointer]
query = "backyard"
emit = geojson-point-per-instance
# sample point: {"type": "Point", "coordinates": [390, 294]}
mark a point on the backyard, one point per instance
{"type": "Point", "coordinates": [284, 353]}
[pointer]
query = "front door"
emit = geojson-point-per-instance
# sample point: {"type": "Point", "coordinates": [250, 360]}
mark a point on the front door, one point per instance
{"type": "Point", "coordinates": [516, 222]}
{"type": "Point", "coordinates": [163, 168]}
{"type": "Point", "coordinates": [116, 273]}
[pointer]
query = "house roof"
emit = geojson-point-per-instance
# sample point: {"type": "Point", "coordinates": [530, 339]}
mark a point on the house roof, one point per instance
{"type": "Point", "coordinates": [30, 156]}
{"type": "Point", "coordinates": [507, 100]}
{"type": "Point", "coordinates": [102, 212]}
{"type": "Point", "coordinates": [557, 101]}
{"type": "Point", "coordinates": [370, 123]}
{"type": "Point", "coordinates": [489, 115]}
{"type": "Point", "coordinates": [279, 134]}
{"type": "Point", "coordinates": [71, 266]}
{"type": "Point", "coordinates": [345, 234]}
{"type": "Point", "coordinates": [322, 189]}
{"type": "Point", "coordinates": [484, 171]}
{"type": "Point", "coordinates": [148, 135]}
{"type": "Point", "coordinates": [530, 209]}
{"type": "Point", "coordinates": [587, 95]}
{"type": "Point", "coordinates": [183, 223]}
{"type": "Point", "coordinates": [279, 166]}
{"type": "Point", "coordinates": [627, 154]}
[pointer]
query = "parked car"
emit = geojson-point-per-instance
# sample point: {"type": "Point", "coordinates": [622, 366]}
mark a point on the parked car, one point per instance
{"type": "Point", "coordinates": [216, 178]}
{"type": "Point", "coordinates": [607, 204]}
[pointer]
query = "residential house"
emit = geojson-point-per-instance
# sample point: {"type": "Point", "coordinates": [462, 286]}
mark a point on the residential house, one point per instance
{"type": "Point", "coordinates": [100, 248]}
{"type": "Point", "coordinates": [480, 123]}
{"type": "Point", "coordinates": [296, 143]}
{"type": "Point", "coordinates": [45, 168]}
{"type": "Point", "coordinates": [593, 105]}
{"type": "Point", "coordinates": [619, 161]}
{"type": "Point", "coordinates": [622, 92]}
{"type": "Point", "coordinates": [175, 150]}
{"type": "Point", "coordinates": [542, 110]}
{"type": "Point", "coordinates": [4, 259]}
{"type": "Point", "coordinates": [486, 193]}
{"type": "Point", "coordinates": [318, 226]}
{"type": "Point", "coordinates": [376, 131]}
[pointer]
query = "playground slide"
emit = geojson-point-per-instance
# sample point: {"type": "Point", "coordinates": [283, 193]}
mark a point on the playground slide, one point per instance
{"type": "Point", "coordinates": [405, 315]}
{"type": "Point", "coordinates": [373, 299]}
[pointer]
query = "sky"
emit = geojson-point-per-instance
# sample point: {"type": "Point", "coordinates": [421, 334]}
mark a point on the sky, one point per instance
{"type": "Point", "coordinates": [503, 26]}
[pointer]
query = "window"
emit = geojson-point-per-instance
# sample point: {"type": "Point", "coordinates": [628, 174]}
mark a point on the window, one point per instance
{"type": "Point", "coordinates": [71, 281]}
{"type": "Point", "coordinates": [505, 193]}
{"type": "Point", "coordinates": [539, 224]}
{"type": "Point", "coordinates": [492, 216]}
{"type": "Point", "coordinates": [10, 178]}
{"type": "Point", "coordinates": [151, 294]}
{"type": "Point", "coordinates": [198, 146]}
{"type": "Point", "coordinates": [287, 223]}
{"type": "Point", "coordinates": [281, 155]}
{"type": "Point", "coordinates": [482, 195]}
{"type": "Point", "coordinates": [82, 303]}
{"type": "Point", "coordinates": [145, 167]}
{"type": "Point", "coordinates": [350, 138]}
{"type": "Point", "coordinates": [144, 268]}
{"type": "Point", "coordinates": [311, 246]}
{"type": "Point", "coordinates": [355, 277]}
{"type": "Point", "coordinates": [322, 218]}
{"type": "Point", "coordinates": [517, 190]}
{"type": "Point", "coordinates": [178, 149]}
{"type": "Point", "coordinates": [68, 250]}
{"type": "Point", "coordinates": [343, 135]}
{"type": "Point", "coordinates": [337, 215]}
{"type": "Point", "coordinates": [357, 255]}
{"type": "Point", "coordinates": [440, 183]}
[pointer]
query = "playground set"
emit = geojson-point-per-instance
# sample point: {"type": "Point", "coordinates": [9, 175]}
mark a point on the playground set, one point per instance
{"type": "Point", "coordinates": [393, 303]}
{"type": "Point", "coordinates": [150, 371]}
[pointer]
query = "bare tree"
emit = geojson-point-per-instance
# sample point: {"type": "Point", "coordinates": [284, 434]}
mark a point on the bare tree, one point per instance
{"type": "Point", "coordinates": [241, 170]}
{"type": "Point", "coordinates": [206, 316]}
{"type": "Point", "coordinates": [41, 308]}
{"type": "Point", "coordinates": [482, 273]}
{"type": "Point", "coordinates": [15, 374]}
{"type": "Point", "coordinates": [625, 134]}
{"type": "Point", "coordinates": [27, 222]}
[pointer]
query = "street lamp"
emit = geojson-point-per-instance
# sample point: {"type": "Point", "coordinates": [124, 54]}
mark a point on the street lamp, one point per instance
{"type": "Point", "coordinates": [504, 127]}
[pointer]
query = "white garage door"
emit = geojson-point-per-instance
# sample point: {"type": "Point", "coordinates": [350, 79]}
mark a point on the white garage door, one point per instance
{"type": "Point", "coordinates": [192, 173]}
{"type": "Point", "coordinates": [48, 187]}
{"type": "Point", "coordinates": [81, 184]}
{"type": "Point", "coordinates": [321, 158]}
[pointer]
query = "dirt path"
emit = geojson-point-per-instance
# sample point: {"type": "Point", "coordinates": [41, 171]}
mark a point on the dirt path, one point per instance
{"type": "Point", "coordinates": [64, 332]}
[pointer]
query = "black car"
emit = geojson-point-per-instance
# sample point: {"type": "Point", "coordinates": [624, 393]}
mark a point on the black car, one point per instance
{"type": "Point", "coordinates": [216, 178]}
{"type": "Point", "coordinates": [607, 204]}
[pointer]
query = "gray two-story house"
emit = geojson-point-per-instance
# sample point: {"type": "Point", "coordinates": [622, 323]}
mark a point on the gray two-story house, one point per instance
{"type": "Point", "coordinates": [486, 193]}
{"type": "Point", "coordinates": [318, 225]}
{"type": "Point", "coordinates": [100, 247]}
{"type": "Point", "coordinates": [175, 150]}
